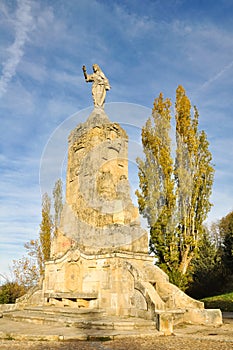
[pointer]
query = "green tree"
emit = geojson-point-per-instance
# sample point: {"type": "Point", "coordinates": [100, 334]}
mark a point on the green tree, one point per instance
{"type": "Point", "coordinates": [157, 199]}
{"type": "Point", "coordinates": [28, 270]}
{"type": "Point", "coordinates": [58, 203]}
{"type": "Point", "coordinates": [208, 274]}
{"type": "Point", "coordinates": [194, 179]}
{"type": "Point", "coordinates": [46, 229]}
{"type": "Point", "coordinates": [34, 251]}
{"type": "Point", "coordinates": [226, 232]}
{"type": "Point", "coordinates": [10, 291]}
{"type": "Point", "coordinates": [174, 194]}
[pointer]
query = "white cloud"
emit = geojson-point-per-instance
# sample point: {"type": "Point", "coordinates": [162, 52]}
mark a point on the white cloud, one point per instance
{"type": "Point", "coordinates": [63, 77]}
{"type": "Point", "coordinates": [209, 51]}
{"type": "Point", "coordinates": [20, 204]}
{"type": "Point", "coordinates": [133, 25]}
{"type": "Point", "coordinates": [17, 101]}
{"type": "Point", "coordinates": [216, 76]}
{"type": "Point", "coordinates": [50, 31]}
{"type": "Point", "coordinates": [22, 26]}
{"type": "Point", "coordinates": [33, 70]}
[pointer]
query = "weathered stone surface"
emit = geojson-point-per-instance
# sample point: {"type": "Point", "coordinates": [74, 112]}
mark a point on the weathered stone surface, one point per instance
{"type": "Point", "coordinates": [99, 258]}
{"type": "Point", "coordinates": [204, 317]}
{"type": "Point", "coordinates": [7, 307]}
{"type": "Point", "coordinates": [99, 214]}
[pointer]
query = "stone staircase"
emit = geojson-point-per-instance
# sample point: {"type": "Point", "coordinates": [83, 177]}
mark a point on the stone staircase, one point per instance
{"type": "Point", "coordinates": [52, 315]}
{"type": "Point", "coordinates": [92, 320]}
{"type": "Point", "coordinates": [85, 319]}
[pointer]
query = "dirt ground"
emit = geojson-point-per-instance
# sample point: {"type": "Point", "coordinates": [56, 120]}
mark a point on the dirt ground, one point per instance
{"type": "Point", "coordinates": [148, 343]}
{"type": "Point", "coordinates": [186, 337]}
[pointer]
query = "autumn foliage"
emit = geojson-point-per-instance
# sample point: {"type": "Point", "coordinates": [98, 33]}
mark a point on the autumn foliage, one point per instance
{"type": "Point", "coordinates": [175, 188]}
{"type": "Point", "coordinates": [28, 270]}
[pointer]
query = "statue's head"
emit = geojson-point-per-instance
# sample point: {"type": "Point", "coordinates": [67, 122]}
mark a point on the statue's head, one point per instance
{"type": "Point", "coordinates": [96, 68]}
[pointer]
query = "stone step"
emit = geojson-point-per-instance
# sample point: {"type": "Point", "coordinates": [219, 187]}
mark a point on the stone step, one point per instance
{"type": "Point", "coordinates": [87, 321]}
{"type": "Point", "coordinates": [28, 332]}
{"type": "Point", "coordinates": [94, 319]}
{"type": "Point", "coordinates": [114, 323]}
{"type": "Point", "coordinates": [42, 316]}
{"type": "Point", "coordinates": [38, 318]}
{"type": "Point", "coordinates": [66, 311]}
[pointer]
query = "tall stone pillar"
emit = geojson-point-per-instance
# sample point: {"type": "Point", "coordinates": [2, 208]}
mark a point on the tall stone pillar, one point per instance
{"type": "Point", "coordinates": [99, 215]}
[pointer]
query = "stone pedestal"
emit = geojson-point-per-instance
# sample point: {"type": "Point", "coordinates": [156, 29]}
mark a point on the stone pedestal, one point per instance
{"type": "Point", "coordinates": [99, 215]}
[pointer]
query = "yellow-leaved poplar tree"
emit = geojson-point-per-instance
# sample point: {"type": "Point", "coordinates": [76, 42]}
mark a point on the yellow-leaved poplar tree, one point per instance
{"type": "Point", "coordinates": [174, 193]}
{"type": "Point", "coordinates": [28, 270]}
{"type": "Point", "coordinates": [46, 228]}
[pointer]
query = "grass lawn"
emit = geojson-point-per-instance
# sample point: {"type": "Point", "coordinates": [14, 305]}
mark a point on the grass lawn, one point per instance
{"type": "Point", "coordinates": [223, 302]}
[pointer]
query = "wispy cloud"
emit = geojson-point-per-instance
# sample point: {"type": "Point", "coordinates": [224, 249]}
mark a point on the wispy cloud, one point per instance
{"type": "Point", "coordinates": [20, 205]}
{"type": "Point", "coordinates": [216, 76]}
{"type": "Point", "coordinates": [133, 25]}
{"type": "Point", "coordinates": [22, 26]}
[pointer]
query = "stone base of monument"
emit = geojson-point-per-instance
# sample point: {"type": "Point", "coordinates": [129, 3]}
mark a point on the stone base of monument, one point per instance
{"type": "Point", "coordinates": [109, 291]}
{"type": "Point", "coordinates": [100, 275]}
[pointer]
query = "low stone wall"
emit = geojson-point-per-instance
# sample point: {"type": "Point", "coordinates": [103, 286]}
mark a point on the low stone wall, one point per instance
{"type": "Point", "coordinates": [7, 307]}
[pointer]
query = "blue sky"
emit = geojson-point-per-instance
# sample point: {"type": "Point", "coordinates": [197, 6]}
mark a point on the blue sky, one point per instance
{"type": "Point", "coordinates": [143, 47]}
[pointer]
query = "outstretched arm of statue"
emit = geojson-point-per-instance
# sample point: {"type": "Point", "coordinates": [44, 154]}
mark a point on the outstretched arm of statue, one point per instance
{"type": "Point", "coordinates": [88, 77]}
{"type": "Point", "coordinates": [85, 72]}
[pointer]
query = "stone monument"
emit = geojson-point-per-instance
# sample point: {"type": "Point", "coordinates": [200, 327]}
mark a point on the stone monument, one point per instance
{"type": "Point", "coordinates": [99, 256]}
